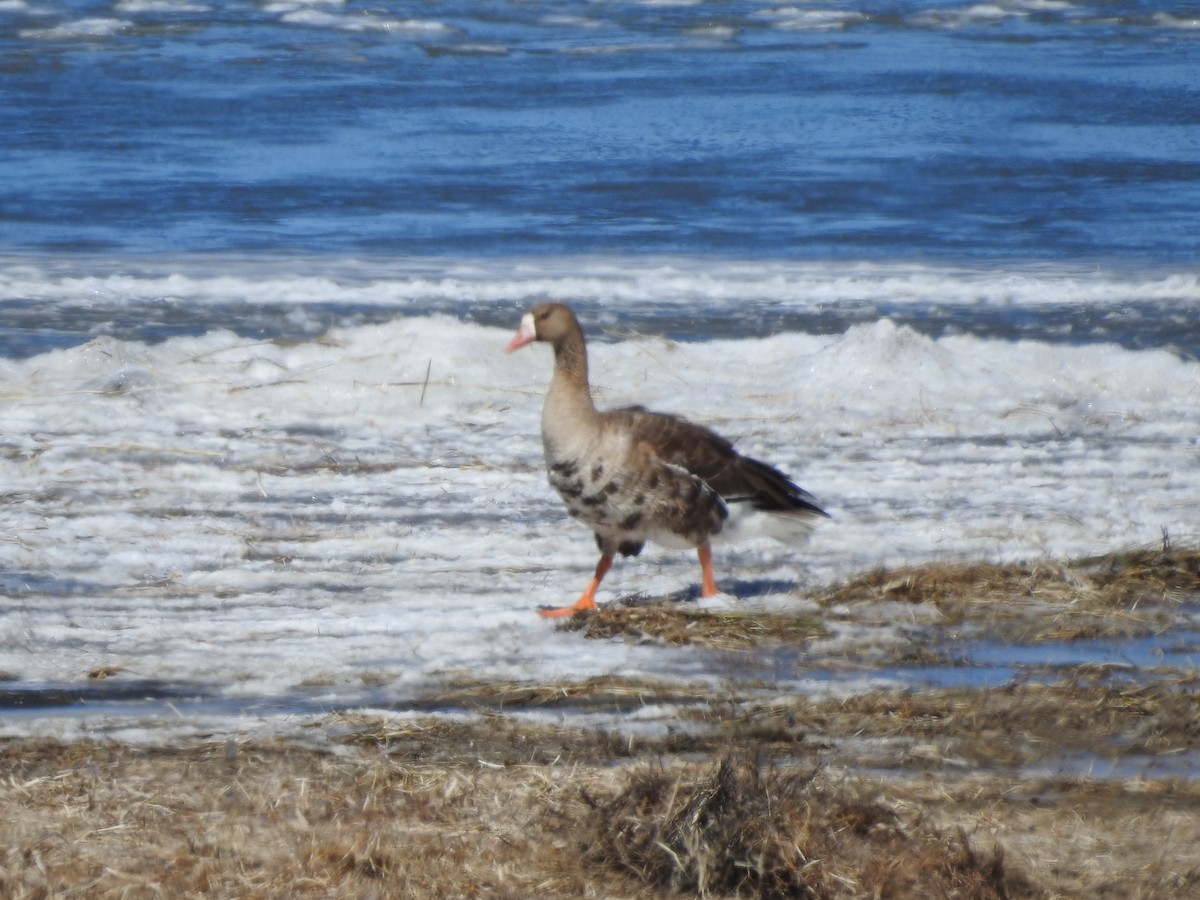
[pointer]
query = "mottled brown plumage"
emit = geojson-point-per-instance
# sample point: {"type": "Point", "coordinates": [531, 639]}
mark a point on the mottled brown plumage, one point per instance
{"type": "Point", "coordinates": [634, 475]}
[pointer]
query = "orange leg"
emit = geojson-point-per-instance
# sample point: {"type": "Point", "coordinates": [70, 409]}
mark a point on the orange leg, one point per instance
{"type": "Point", "coordinates": [708, 585]}
{"type": "Point", "coordinates": [587, 600]}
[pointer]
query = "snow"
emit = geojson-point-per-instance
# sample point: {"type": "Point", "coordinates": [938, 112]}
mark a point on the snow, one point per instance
{"type": "Point", "coordinates": [283, 527]}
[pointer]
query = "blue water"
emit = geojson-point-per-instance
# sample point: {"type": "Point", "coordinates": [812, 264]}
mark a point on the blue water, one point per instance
{"type": "Point", "coordinates": [997, 136]}
{"type": "Point", "coordinates": [1047, 131]}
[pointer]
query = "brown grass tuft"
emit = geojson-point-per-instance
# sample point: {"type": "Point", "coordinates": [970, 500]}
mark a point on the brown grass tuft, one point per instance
{"type": "Point", "coordinates": [739, 830]}
{"type": "Point", "coordinates": [678, 624]}
{"type": "Point", "coordinates": [942, 865]}
{"type": "Point", "coordinates": [107, 820]}
{"type": "Point", "coordinates": [1119, 594]}
{"type": "Point", "coordinates": [1164, 574]}
{"type": "Point", "coordinates": [729, 831]}
{"type": "Point", "coordinates": [1116, 594]}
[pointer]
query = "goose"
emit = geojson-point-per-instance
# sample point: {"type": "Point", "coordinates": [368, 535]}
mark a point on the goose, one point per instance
{"type": "Point", "coordinates": [632, 475]}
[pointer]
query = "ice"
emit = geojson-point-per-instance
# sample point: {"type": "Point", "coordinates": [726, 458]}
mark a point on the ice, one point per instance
{"type": "Point", "coordinates": [794, 18]}
{"type": "Point", "coordinates": [86, 29]}
{"type": "Point", "coordinates": [613, 282]}
{"type": "Point", "coordinates": [364, 514]}
{"type": "Point", "coordinates": [158, 7]}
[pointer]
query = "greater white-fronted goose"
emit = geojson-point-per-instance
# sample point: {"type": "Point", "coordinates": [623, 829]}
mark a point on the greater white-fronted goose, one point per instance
{"type": "Point", "coordinates": [632, 475]}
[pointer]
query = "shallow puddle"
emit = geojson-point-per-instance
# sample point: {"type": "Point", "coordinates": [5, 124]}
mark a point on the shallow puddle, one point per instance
{"type": "Point", "coordinates": [919, 664]}
{"type": "Point", "coordinates": [985, 663]}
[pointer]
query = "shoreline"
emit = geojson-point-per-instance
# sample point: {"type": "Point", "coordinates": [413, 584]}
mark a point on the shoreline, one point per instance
{"type": "Point", "coordinates": [1075, 779]}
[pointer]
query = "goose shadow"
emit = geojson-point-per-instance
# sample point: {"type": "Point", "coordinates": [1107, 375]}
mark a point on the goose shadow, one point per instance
{"type": "Point", "coordinates": [739, 589]}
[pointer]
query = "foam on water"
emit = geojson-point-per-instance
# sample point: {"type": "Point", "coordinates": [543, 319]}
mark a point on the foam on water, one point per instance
{"type": "Point", "coordinates": [79, 29]}
{"type": "Point", "coordinates": [598, 279]}
{"type": "Point", "coordinates": [337, 15]}
{"type": "Point", "coordinates": [158, 7]}
{"type": "Point", "coordinates": [50, 303]}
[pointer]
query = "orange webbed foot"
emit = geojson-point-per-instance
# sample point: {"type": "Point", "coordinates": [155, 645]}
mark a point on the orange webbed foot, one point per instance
{"type": "Point", "coordinates": [587, 600]}
{"type": "Point", "coordinates": [583, 605]}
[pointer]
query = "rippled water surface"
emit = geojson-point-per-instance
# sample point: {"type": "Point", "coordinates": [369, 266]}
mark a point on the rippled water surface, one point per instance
{"type": "Point", "coordinates": [1025, 129]}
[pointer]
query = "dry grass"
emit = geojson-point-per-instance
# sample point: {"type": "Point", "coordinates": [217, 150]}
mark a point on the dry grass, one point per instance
{"type": "Point", "coordinates": [932, 730]}
{"type": "Point", "coordinates": [612, 693]}
{"type": "Point", "coordinates": [982, 731]}
{"type": "Point", "coordinates": [112, 821]}
{"type": "Point", "coordinates": [737, 830]}
{"type": "Point", "coordinates": [677, 624]}
{"type": "Point", "coordinates": [105, 820]}
{"type": "Point", "coordinates": [882, 794]}
{"type": "Point", "coordinates": [1116, 594]}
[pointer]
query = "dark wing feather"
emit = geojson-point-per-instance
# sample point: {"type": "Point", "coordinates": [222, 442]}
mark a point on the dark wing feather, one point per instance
{"type": "Point", "coordinates": [713, 459]}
